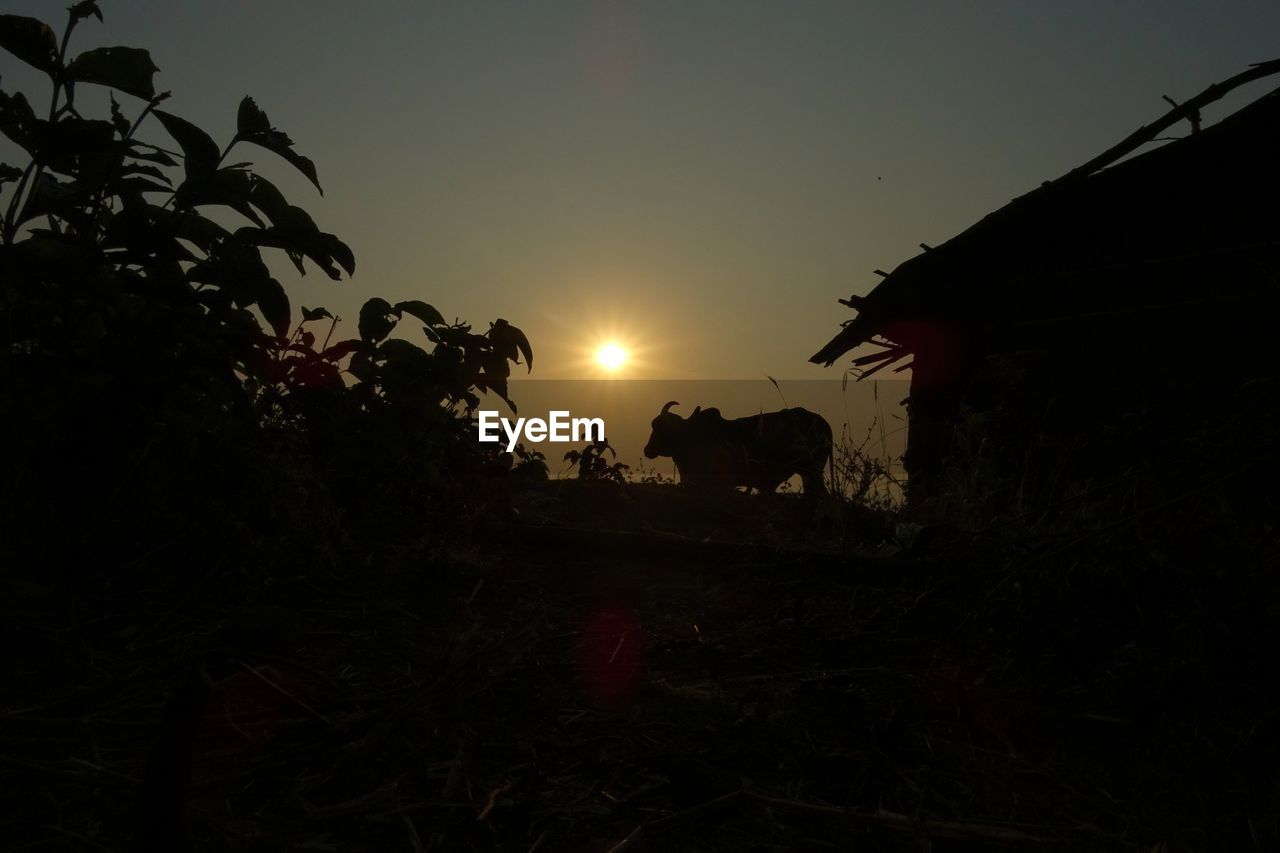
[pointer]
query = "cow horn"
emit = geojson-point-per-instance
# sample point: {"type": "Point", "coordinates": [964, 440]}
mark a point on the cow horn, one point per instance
{"type": "Point", "coordinates": [668, 406]}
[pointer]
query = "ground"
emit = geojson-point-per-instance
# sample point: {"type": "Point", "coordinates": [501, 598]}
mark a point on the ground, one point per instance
{"type": "Point", "coordinates": [594, 668]}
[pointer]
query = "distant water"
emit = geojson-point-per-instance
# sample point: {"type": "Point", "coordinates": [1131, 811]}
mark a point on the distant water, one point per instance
{"type": "Point", "coordinates": [868, 414]}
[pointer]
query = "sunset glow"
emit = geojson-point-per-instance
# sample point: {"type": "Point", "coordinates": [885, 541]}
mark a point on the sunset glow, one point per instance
{"type": "Point", "coordinates": [611, 357]}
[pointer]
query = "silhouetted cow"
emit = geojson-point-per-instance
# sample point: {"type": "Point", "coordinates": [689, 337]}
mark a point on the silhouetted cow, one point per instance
{"type": "Point", "coordinates": [761, 451]}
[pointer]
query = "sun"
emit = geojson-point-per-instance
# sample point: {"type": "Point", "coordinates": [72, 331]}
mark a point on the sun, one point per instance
{"type": "Point", "coordinates": [611, 357]}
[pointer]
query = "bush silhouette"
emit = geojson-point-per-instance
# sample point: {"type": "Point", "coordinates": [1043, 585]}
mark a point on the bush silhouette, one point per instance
{"type": "Point", "coordinates": [160, 392]}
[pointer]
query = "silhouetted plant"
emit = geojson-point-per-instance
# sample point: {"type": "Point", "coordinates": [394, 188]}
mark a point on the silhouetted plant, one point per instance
{"type": "Point", "coordinates": [648, 476]}
{"type": "Point", "coordinates": [861, 476]}
{"type": "Point", "coordinates": [593, 466]}
{"type": "Point", "coordinates": [529, 464]}
{"type": "Point", "coordinates": [147, 347]}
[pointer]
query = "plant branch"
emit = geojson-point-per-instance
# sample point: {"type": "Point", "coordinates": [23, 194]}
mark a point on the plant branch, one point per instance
{"type": "Point", "coordinates": [13, 214]}
{"type": "Point", "coordinates": [1184, 111]}
{"type": "Point", "coordinates": [10, 215]}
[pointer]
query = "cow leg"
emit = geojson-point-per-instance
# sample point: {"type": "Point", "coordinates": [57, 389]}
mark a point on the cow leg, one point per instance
{"type": "Point", "coordinates": [813, 484]}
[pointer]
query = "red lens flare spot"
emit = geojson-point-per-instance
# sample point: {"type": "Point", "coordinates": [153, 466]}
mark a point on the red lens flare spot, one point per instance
{"type": "Point", "coordinates": [245, 712]}
{"type": "Point", "coordinates": [611, 657]}
{"type": "Point", "coordinates": [939, 349]}
{"type": "Point", "coordinates": [960, 692]}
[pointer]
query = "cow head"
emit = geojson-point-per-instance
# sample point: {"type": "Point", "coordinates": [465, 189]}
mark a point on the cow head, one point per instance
{"type": "Point", "coordinates": [669, 433]}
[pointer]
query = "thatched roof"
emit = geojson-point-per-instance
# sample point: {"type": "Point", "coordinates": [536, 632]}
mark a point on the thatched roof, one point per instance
{"type": "Point", "coordinates": [1196, 220]}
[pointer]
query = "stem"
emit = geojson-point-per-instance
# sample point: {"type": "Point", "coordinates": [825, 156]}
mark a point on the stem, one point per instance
{"type": "Point", "coordinates": [98, 200]}
{"type": "Point", "coordinates": [62, 67]}
{"type": "Point", "coordinates": [14, 212]}
{"type": "Point", "coordinates": [151, 105]}
{"type": "Point", "coordinates": [66, 37]}
{"type": "Point", "coordinates": [10, 216]}
{"type": "Point", "coordinates": [332, 326]}
{"type": "Point", "coordinates": [227, 150]}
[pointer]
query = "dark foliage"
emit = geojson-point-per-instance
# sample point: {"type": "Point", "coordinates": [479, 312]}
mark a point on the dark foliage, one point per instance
{"type": "Point", "coordinates": [594, 467]}
{"type": "Point", "coordinates": [162, 402]}
{"type": "Point", "coordinates": [1081, 667]}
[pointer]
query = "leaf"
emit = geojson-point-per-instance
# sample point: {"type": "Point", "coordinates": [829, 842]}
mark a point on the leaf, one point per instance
{"type": "Point", "coordinates": [361, 367]}
{"type": "Point", "coordinates": [52, 256]}
{"type": "Point", "coordinates": [84, 9]}
{"type": "Point", "coordinates": [118, 121]}
{"type": "Point", "coordinates": [200, 152]}
{"type": "Point", "coordinates": [407, 373]}
{"type": "Point", "coordinates": [9, 173]}
{"type": "Point", "coordinates": [507, 339]}
{"type": "Point", "coordinates": [30, 40]}
{"type": "Point", "coordinates": [18, 121]}
{"type": "Point", "coordinates": [250, 119]}
{"type": "Point", "coordinates": [310, 314]}
{"type": "Point", "coordinates": [128, 69]}
{"type": "Point", "coordinates": [398, 349]}
{"type": "Point", "coordinates": [317, 374]}
{"type": "Point", "coordinates": [421, 310]}
{"type": "Point", "coordinates": [225, 186]}
{"type": "Point", "coordinates": [50, 196]}
{"type": "Point", "coordinates": [83, 148]}
{"type": "Point", "coordinates": [197, 230]}
{"type": "Point", "coordinates": [296, 233]}
{"type": "Point", "coordinates": [138, 184]}
{"type": "Point", "coordinates": [150, 171]}
{"type": "Point", "coordinates": [252, 125]}
{"type": "Point", "coordinates": [273, 302]}
{"type": "Point", "coordinates": [215, 298]}
{"type": "Point", "coordinates": [342, 349]}
{"type": "Point", "coordinates": [499, 387]}
{"type": "Point", "coordinates": [375, 322]}
{"type": "Point", "coordinates": [495, 366]}
{"type": "Point", "coordinates": [144, 233]}
{"type": "Point", "coordinates": [150, 153]}
{"type": "Point", "coordinates": [264, 196]}
{"type": "Point", "coordinates": [301, 163]}
{"type": "Point", "coordinates": [340, 252]}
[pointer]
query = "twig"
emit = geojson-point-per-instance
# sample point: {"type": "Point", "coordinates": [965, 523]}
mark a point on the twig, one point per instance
{"type": "Point", "coordinates": [630, 842]}
{"type": "Point", "coordinates": [1194, 118]}
{"type": "Point", "coordinates": [491, 801]}
{"type": "Point", "coordinates": [1185, 111]}
{"type": "Point", "coordinates": [948, 829]}
{"type": "Point", "coordinates": [303, 705]}
{"type": "Point", "coordinates": [414, 838]}
{"type": "Point", "coordinates": [83, 839]}
{"type": "Point", "coordinates": [362, 804]}
{"type": "Point", "coordinates": [673, 820]}
{"type": "Point", "coordinates": [954, 830]}
{"type": "Point", "coordinates": [104, 770]}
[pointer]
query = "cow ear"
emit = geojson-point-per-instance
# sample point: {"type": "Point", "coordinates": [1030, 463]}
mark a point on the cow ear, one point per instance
{"type": "Point", "coordinates": [696, 410]}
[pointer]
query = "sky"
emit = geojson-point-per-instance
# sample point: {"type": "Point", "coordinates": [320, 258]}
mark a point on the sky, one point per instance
{"type": "Point", "coordinates": [698, 180]}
